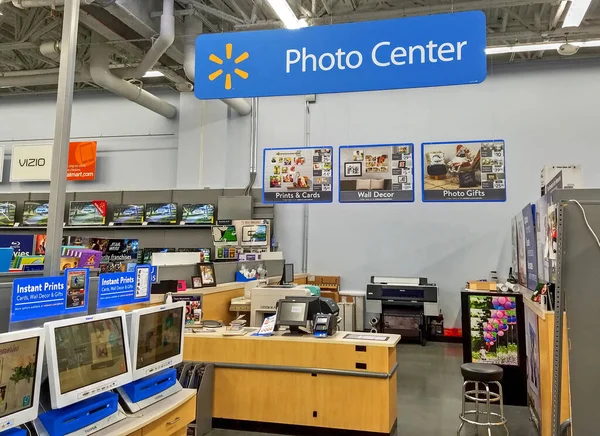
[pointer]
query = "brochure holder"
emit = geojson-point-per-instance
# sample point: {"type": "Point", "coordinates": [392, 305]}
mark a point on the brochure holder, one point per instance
{"type": "Point", "coordinates": [14, 432]}
{"type": "Point", "coordinates": [140, 394]}
{"type": "Point", "coordinates": [80, 419]}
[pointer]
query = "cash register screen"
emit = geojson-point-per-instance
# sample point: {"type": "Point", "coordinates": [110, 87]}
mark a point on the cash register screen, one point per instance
{"type": "Point", "coordinates": [292, 312]}
{"type": "Point", "coordinates": [18, 365]}
{"type": "Point", "coordinates": [89, 353]}
{"type": "Point", "coordinates": [159, 337]}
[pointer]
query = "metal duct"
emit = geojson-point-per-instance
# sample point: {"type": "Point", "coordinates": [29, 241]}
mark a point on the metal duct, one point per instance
{"type": "Point", "coordinates": [51, 49]}
{"type": "Point", "coordinates": [102, 76]}
{"type": "Point", "coordinates": [161, 45]}
{"type": "Point", "coordinates": [193, 28]}
{"type": "Point", "coordinates": [39, 79]}
{"type": "Point", "coordinates": [253, 146]}
{"type": "Point", "coordinates": [23, 4]}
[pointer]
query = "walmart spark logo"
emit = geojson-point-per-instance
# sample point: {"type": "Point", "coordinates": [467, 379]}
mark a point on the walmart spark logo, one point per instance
{"type": "Point", "coordinates": [217, 60]}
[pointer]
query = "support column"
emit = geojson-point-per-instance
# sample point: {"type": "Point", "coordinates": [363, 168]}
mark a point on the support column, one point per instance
{"type": "Point", "coordinates": [62, 136]}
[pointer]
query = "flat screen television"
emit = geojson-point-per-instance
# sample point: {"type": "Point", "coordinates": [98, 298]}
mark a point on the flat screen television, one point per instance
{"type": "Point", "coordinates": [86, 356]}
{"type": "Point", "coordinates": [132, 214]}
{"type": "Point", "coordinates": [161, 213]}
{"type": "Point", "coordinates": [7, 213]}
{"type": "Point", "coordinates": [22, 360]}
{"type": "Point", "coordinates": [198, 213]}
{"type": "Point", "coordinates": [87, 213]}
{"type": "Point", "coordinates": [224, 234]}
{"type": "Point", "coordinates": [35, 213]}
{"type": "Point", "coordinates": [254, 235]}
{"type": "Point", "coordinates": [156, 338]}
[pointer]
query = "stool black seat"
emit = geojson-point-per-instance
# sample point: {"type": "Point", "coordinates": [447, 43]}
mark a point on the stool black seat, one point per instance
{"type": "Point", "coordinates": [481, 372]}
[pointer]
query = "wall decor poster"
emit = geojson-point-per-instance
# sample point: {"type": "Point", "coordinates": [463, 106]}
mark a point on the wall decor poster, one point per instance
{"type": "Point", "coordinates": [298, 175]}
{"type": "Point", "coordinates": [530, 246]}
{"type": "Point", "coordinates": [533, 365]}
{"type": "Point", "coordinates": [376, 173]}
{"type": "Point", "coordinates": [464, 171]}
{"type": "Point", "coordinates": [494, 335]}
{"type": "Point", "coordinates": [521, 252]}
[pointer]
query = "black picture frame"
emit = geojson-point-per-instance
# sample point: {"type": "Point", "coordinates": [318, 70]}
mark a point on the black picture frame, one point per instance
{"type": "Point", "coordinates": [202, 269]}
{"type": "Point", "coordinates": [196, 282]}
{"type": "Point", "coordinates": [353, 164]}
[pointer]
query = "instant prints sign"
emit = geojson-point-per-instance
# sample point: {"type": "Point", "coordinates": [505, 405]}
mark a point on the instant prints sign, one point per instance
{"type": "Point", "coordinates": [376, 173]}
{"type": "Point", "coordinates": [434, 50]}
{"type": "Point", "coordinates": [46, 297]}
{"type": "Point", "coordinates": [119, 289]}
{"type": "Point", "coordinates": [464, 171]}
{"type": "Point", "coordinates": [298, 175]}
{"type": "Point", "coordinates": [30, 163]}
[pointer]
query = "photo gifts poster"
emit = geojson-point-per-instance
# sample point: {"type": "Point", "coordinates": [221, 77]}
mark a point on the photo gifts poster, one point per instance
{"type": "Point", "coordinates": [298, 175]}
{"type": "Point", "coordinates": [376, 173]}
{"type": "Point", "coordinates": [494, 335]}
{"type": "Point", "coordinates": [464, 171]}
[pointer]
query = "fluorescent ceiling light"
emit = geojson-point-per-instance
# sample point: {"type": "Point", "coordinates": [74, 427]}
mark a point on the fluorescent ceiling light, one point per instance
{"type": "Point", "coordinates": [538, 47]}
{"type": "Point", "coordinates": [153, 74]}
{"type": "Point", "coordinates": [576, 12]}
{"type": "Point", "coordinates": [286, 15]}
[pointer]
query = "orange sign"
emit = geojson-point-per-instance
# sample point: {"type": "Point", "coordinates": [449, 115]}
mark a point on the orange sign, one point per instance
{"type": "Point", "coordinates": [82, 161]}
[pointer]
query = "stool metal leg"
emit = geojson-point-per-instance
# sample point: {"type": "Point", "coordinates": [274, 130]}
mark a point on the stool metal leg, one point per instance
{"type": "Point", "coordinates": [502, 406]}
{"type": "Point", "coordinates": [462, 423]}
{"type": "Point", "coordinates": [477, 402]}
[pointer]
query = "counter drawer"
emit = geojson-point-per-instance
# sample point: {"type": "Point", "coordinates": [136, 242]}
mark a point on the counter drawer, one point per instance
{"type": "Point", "coordinates": [174, 422]}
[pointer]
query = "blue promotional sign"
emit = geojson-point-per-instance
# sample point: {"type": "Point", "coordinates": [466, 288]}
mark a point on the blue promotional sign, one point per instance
{"type": "Point", "coordinates": [153, 274]}
{"type": "Point", "coordinates": [21, 244]}
{"type": "Point", "coordinates": [46, 297]}
{"type": "Point", "coordinates": [119, 289]}
{"type": "Point", "coordinates": [434, 50]}
{"type": "Point", "coordinates": [530, 246]}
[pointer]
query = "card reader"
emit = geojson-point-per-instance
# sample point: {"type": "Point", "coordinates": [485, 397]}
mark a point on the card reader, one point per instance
{"type": "Point", "coordinates": [324, 325]}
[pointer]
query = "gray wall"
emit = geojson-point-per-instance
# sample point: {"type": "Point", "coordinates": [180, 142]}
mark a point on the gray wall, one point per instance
{"type": "Point", "coordinates": [544, 112]}
{"type": "Point", "coordinates": [127, 135]}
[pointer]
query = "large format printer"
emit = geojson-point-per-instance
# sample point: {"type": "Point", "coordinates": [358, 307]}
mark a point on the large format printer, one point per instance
{"type": "Point", "coordinates": [401, 305]}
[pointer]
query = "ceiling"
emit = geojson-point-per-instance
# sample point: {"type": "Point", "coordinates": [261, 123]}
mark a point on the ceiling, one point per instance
{"type": "Point", "coordinates": [131, 25]}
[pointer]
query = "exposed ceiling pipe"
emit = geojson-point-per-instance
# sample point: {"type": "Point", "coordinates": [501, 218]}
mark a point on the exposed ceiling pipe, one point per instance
{"type": "Point", "coordinates": [102, 76]}
{"type": "Point", "coordinates": [43, 78]}
{"type": "Point", "coordinates": [193, 28]}
{"type": "Point", "coordinates": [24, 4]}
{"type": "Point", "coordinates": [51, 49]}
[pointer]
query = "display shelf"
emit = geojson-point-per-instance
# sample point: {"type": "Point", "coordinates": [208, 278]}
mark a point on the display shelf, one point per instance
{"type": "Point", "coordinates": [125, 227]}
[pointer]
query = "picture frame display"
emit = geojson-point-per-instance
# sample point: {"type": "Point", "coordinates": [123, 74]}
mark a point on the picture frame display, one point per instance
{"type": "Point", "coordinates": [352, 169]}
{"type": "Point", "coordinates": [207, 274]}
{"type": "Point", "coordinates": [196, 282]}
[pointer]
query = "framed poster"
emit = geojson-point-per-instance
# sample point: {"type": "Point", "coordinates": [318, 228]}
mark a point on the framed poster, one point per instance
{"type": "Point", "coordinates": [376, 173]}
{"type": "Point", "coordinates": [464, 171]}
{"type": "Point", "coordinates": [298, 175]}
{"type": "Point", "coordinates": [533, 366]}
{"type": "Point", "coordinates": [530, 247]}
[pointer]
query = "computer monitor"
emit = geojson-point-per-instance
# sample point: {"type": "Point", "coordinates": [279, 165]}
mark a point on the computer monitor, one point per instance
{"type": "Point", "coordinates": [292, 314]}
{"type": "Point", "coordinates": [20, 376]}
{"type": "Point", "coordinates": [313, 302]}
{"type": "Point", "coordinates": [156, 338]}
{"type": "Point", "coordinates": [288, 273]}
{"type": "Point", "coordinates": [86, 356]}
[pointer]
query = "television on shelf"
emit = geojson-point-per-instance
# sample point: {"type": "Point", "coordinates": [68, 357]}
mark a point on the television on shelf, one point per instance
{"type": "Point", "coordinates": [35, 213]}
{"type": "Point", "coordinates": [86, 356]}
{"type": "Point", "coordinates": [224, 234]}
{"type": "Point", "coordinates": [132, 214]}
{"type": "Point", "coordinates": [22, 357]}
{"type": "Point", "coordinates": [254, 235]}
{"type": "Point", "coordinates": [7, 213]}
{"type": "Point", "coordinates": [198, 213]}
{"type": "Point", "coordinates": [161, 213]}
{"type": "Point", "coordinates": [156, 338]}
{"type": "Point", "coordinates": [87, 213]}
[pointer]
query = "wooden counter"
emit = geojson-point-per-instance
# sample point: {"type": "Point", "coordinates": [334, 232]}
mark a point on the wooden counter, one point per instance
{"type": "Point", "coordinates": [545, 324]}
{"type": "Point", "coordinates": [331, 382]}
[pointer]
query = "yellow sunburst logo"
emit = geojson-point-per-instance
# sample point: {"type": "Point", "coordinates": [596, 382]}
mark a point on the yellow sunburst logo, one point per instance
{"type": "Point", "coordinates": [228, 54]}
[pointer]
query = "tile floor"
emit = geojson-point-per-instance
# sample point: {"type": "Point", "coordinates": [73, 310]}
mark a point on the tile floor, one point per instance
{"type": "Point", "coordinates": [429, 386]}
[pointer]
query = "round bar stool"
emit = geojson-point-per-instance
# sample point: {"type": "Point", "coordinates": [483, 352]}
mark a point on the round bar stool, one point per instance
{"type": "Point", "coordinates": [482, 374]}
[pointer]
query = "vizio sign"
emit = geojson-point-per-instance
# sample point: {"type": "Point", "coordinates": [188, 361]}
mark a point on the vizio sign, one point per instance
{"type": "Point", "coordinates": [435, 50]}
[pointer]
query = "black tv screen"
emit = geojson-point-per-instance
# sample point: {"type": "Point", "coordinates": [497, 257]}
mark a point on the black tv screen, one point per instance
{"type": "Point", "coordinates": [35, 213]}
{"type": "Point", "coordinates": [161, 213]}
{"type": "Point", "coordinates": [128, 214]}
{"type": "Point", "coordinates": [7, 213]}
{"type": "Point", "coordinates": [198, 213]}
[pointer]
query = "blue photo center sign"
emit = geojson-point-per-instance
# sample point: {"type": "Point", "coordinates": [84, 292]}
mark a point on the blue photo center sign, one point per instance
{"type": "Point", "coordinates": [435, 50]}
{"type": "Point", "coordinates": [119, 289]}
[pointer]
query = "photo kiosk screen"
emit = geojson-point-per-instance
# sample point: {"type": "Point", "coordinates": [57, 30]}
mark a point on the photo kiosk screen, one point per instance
{"type": "Point", "coordinates": [198, 213]}
{"type": "Point", "coordinates": [255, 235]}
{"type": "Point", "coordinates": [161, 213]}
{"type": "Point", "coordinates": [7, 213]}
{"type": "Point", "coordinates": [132, 214]}
{"type": "Point", "coordinates": [159, 336]}
{"type": "Point", "coordinates": [18, 364]}
{"type": "Point", "coordinates": [35, 213]}
{"type": "Point", "coordinates": [225, 234]}
{"type": "Point", "coordinates": [89, 353]}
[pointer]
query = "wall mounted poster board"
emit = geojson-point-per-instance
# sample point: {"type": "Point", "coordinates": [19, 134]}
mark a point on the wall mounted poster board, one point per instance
{"type": "Point", "coordinates": [464, 171]}
{"type": "Point", "coordinates": [376, 173]}
{"type": "Point", "coordinates": [30, 163]}
{"type": "Point", "coordinates": [298, 175]}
